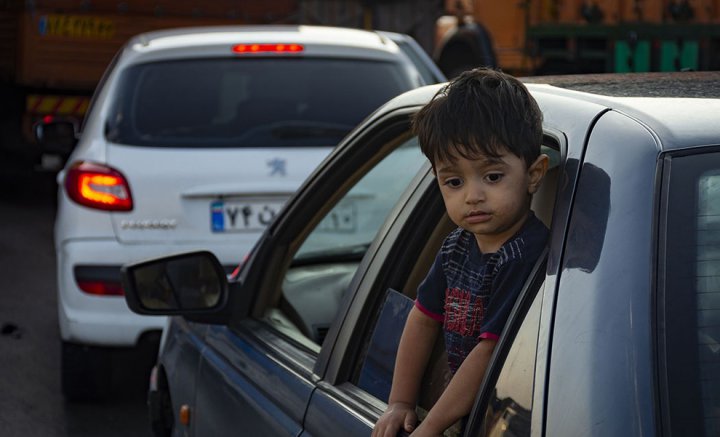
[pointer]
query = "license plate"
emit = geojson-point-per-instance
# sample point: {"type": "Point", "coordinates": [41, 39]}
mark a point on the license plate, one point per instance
{"type": "Point", "coordinates": [342, 218]}
{"type": "Point", "coordinates": [239, 216]}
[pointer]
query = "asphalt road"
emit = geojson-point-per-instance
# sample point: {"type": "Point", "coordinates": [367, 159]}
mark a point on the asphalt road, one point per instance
{"type": "Point", "coordinates": [31, 403]}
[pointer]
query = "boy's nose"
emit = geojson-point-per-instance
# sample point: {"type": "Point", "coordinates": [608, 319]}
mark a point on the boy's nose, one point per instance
{"type": "Point", "coordinates": [475, 193]}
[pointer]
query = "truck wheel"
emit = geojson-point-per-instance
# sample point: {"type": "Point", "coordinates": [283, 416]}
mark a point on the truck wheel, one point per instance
{"type": "Point", "coordinates": [85, 372]}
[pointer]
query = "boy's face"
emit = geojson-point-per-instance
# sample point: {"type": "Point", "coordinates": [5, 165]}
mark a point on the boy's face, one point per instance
{"type": "Point", "coordinates": [488, 196]}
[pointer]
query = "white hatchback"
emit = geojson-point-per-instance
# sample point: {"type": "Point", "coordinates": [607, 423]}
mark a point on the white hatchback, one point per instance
{"type": "Point", "coordinates": [194, 140]}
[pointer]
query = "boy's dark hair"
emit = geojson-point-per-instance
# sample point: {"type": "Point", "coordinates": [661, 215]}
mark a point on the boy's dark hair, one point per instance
{"type": "Point", "coordinates": [481, 112]}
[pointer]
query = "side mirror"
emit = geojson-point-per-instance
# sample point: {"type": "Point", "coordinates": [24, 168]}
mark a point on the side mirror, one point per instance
{"type": "Point", "coordinates": [191, 284]}
{"type": "Point", "coordinates": [58, 136]}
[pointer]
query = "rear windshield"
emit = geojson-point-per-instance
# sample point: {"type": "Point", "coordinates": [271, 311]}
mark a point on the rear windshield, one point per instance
{"type": "Point", "coordinates": [279, 102]}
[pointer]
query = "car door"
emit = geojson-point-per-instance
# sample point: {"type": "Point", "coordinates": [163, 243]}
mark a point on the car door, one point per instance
{"type": "Point", "coordinates": [356, 384]}
{"type": "Point", "coordinates": [257, 375]}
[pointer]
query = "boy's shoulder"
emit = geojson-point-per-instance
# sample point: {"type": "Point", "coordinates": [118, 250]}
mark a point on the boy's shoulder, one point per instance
{"type": "Point", "coordinates": [526, 244]}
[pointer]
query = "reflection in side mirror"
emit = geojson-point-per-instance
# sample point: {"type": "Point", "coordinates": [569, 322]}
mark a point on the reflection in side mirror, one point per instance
{"type": "Point", "coordinates": [189, 283]}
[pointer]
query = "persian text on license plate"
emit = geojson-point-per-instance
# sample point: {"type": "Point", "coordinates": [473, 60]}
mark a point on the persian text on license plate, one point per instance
{"type": "Point", "coordinates": [238, 216]}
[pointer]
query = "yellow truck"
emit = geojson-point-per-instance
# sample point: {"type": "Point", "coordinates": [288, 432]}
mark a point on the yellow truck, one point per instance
{"type": "Point", "coordinates": [53, 54]}
{"type": "Point", "coordinates": [532, 37]}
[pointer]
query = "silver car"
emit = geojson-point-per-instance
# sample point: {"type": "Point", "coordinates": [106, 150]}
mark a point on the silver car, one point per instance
{"type": "Point", "coordinates": [616, 332]}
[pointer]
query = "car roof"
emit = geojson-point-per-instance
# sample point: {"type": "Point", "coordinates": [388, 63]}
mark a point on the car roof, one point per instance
{"type": "Point", "coordinates": [704, 84]}
{"type": "Point", "coordinates": [218, 41]}
{"type": "Point", "coordinates": [680, 108]}
{"type": "Point", "coordinates": [302, 34]}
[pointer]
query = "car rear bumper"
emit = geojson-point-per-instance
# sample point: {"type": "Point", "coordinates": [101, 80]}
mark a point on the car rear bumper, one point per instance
{"type": "Point", "coordinates": [104, 320]}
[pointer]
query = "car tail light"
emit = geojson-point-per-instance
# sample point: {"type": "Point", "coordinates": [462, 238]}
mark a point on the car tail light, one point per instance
{"type": "Point", "coordinates": [98, 186]}
{"type": "Point", "coordinates": [268, 48]}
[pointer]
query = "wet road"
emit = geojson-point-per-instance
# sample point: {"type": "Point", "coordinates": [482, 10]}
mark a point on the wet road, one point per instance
{"type": "Point", "coordinates": [30, 400]}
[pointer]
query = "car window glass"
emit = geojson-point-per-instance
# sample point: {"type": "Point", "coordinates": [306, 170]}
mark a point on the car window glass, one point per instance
{"type": "Point", "coordinates": [692, 295]}
{"type": "Point", "coordinates": [322, 268]}
{"type": "Point", "coordinates": [352, 224]}
{"type": "Point", "coordinates": [510, 404]}
{"type": "Point", "coordinates": [377, 367]}
{"type": "Point", "coordinates": [259, 102]}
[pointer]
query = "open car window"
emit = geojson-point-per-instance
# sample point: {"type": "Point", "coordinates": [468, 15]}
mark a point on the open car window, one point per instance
{"type": "Point", "coordinates": [320, 272]}
{"type": "Point", "coordinates": [372, 367]}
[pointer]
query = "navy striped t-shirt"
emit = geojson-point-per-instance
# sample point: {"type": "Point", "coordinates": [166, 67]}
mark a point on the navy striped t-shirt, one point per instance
{"type": "Point", "coordinates": [472, 293]}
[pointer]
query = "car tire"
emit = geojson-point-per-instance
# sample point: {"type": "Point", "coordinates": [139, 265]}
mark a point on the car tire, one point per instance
{"type": "Point", "coordinates": [161, 414]}
{"type": "Point", "coordinates": [86, 372]}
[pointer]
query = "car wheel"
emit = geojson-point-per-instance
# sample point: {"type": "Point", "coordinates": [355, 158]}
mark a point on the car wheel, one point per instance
{"type": "Point", "coordinates": [86, 372]}
{"type": "Point", "coordinates": [161, 414]}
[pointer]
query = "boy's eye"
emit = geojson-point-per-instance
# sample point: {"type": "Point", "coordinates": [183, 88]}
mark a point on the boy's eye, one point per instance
{"type": "Point", "coordinates": [494, 177]}
{"type": "Point", "coordinates": [453, 182]}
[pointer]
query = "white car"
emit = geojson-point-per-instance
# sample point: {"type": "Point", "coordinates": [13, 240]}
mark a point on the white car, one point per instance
{"type": "Point", "coordinates": [194, 140]}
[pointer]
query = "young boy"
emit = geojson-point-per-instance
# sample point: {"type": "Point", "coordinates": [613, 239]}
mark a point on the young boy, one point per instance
{"type": "Point", "coordinates": [482, 133]}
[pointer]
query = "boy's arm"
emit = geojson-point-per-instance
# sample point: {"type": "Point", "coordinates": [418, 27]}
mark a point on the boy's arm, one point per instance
{"type": "Point", "coordinates": [458, 398]}
{"type": "Point", "coordinates": [416, 344]}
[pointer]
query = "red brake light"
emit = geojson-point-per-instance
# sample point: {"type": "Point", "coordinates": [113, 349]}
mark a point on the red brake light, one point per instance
{"type": "Point", "coordinates": [98, 186]}
{"type": "Point", "coordinates": [101, 288]}
{"type": "Point", "coordinates": [268, 48]}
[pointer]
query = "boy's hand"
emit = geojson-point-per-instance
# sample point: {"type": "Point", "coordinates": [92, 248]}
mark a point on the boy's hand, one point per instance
{"type": "Point", "coordinates": [425, 431]}
{"type": "Point", "coordinates": [398, 415]}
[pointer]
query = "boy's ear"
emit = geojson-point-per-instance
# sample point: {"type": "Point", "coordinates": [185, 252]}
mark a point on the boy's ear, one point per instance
{"type": "Point", "coordinates": [536, 171]}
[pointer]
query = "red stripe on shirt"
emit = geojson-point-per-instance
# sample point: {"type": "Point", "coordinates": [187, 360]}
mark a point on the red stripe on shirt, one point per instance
{"type": "Point", "coordinates": [489, 336]}
{"type": "Point", "coordinates": [427, 312]}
